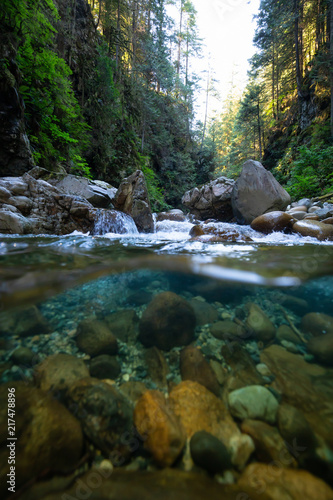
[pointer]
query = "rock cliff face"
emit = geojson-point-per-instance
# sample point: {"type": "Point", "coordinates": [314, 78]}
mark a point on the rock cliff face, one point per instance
{"type": "Point", "coordinates": [211, 201]}
{"type": "Point", "coordinates": [15, 154]}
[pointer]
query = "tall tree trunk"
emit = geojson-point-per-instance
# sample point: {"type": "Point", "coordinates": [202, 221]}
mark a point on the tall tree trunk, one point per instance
{"type": "Point", "coordinates": [331, 62]}
{"type": "Point", "coordinates": [273, 79]}
{"type": "Point", "coordinates": [259, 129]}
{"type": "Point", "coordinates": [117, 41]}
{"type": "Point", "coordinates": [297, 54]}
{"type": "Point", "coordinates": [206, 109]}
{"type": "Point", "coordinates": [180, 37]}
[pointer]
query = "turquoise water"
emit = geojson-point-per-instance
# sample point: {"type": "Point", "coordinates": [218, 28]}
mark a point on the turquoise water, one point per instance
{"type": "Point", "coordinates": [50, 285]}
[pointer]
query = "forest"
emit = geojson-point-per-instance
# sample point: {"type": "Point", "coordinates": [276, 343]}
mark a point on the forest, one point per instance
{"type": "Point", "coordinates": [285, 116]}
{"type": "Point", "coordinates": [107, 87]}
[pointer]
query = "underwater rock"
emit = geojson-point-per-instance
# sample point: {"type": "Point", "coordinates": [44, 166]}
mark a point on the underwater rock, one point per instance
{"type": "Point", "coordinates": [105, 415]}
{"type": "Point", "coordinates": [295, 429]}
{"type": "Point", "coordinates": [244, 371]}
{"type": "Point", "coordinates": [23, 356]}
{"type": "Point", "coordinates": [254, 402]}
{"type": "Point", "coordinates": [270, 446]}
{"type": "Point", "coordinates": [279, 483]}
{"type": "Point", "coordinates": [166, 484]}
{"type": "Point", "coordinates": [259, 324]}
{"type": "Point", "coordinates": [94, 337]}
{"type": "Point", "coordinates": [49, 436]}
{"type": "Point", "coordinates": [104, 366]}
{"type": "Point", "coordinates": [28, 322]}
{"type": "Point", "coordinates": [211, 201]}
{"type": "Point", "coordinates": [133, 390]}
{"type": "Point", "coordinates": [57, 372]}
{"type": "Point", "coordinates": [132, 198]}
{"type": "Point", "coordinates": [161, 430]}
{"type": "Point", "coordinates": [215, 234]}
{"type": "Point", "coordinates": [256, 192]}
{"type": "Point", "coordinates": [209, 453]}
{"type": "Point", "coordinates": [139, 298]}
{"type": "Point", "coordinates": [157, 366]}
{"type": "Point", "coordinates": [303, 385]}
{"type": "Point", "coordinates": [199, 409]}
{"type": "Point", "coordinates": [317, 323]}
{"type": "Point", "coordinates": [322, 348]}
{"type": "Point", "coordinates": [169, 321]}
{"type": "Point", "coordinates": [272, 221]}
{"type": "Point", "coordinates": [195, 367]}
{"type": "Point", "coordinates": [204, 312]}
{"type": "Point", "coordinates": [315, 229]}
{"type": "Point", "coordinates": [123, 324]}
{"type": "Point", "coordinates": [285, 333]}
{"type": "Point", "coordinates": [227, 330]}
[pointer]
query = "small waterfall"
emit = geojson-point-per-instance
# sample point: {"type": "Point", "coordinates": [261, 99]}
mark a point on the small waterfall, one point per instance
{"type": "Point", "coordinates": [112, 221]}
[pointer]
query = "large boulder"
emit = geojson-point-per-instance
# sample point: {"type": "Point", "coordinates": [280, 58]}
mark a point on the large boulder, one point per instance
{"type": "Point", "coordinates": [256, 192]}
{"type": "Point", "coordinates": [212, 200]}
{"type": "Point", "coordinates": [31, 205]}
{"type": "Point", "coordinates": [98, 193]}
{"type": "Point", "coordinates": [169, 321]}
{"type": "Point", "coordinates": [132, 198]}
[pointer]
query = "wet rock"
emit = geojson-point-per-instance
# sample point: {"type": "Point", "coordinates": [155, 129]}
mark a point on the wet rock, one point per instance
{"type": "Point", "coordinates": [211, 201]}
{"type": "Point", "coordinates": [317, 323]}
{"type": "Point", "coordinates": [24, 356]}
{"type": "Point", "coordinates": [133, 390]}
{"type": "Point", "coordinates": [104, 366]}
{"type": "Point", "coordinates": [259, 324]}
{"type": "Point", "coordinates": [272, 221]}
{"type": "Point", "coordinates": [315, 229]}
{"type": "Point", "coordinates": [105, 415]}
{"type": "Point", "coordinates": [227, 330]}
{"type": "Point", "coordinates": [214, 234]}
{"type": "Point", "coordinates": [94, 337]}
{"type": "Point", "coordinates": [209, 452]}
{"type": "Point", "coordinates": [243, 368]}
{"type": "Point", "coordinates": [24, 322]}
{"type": "Point", "coordinates": [285, 333]}
{"type": "Point", "coordinates": [172, 215]}
{"type": "Point", "coordinates": [263, 370]}
{"type": "Point", "coordinates": [303, 385]}
{"type": "Point", "coordinates": [132, 198]}
{"type": "Point", "coordinates": [329, 220]}
{"type": "Point", "coordinates": [168, 321]}
{"type": "Point", "coordinates": [49, 437]}
{"type": "Point", "coordinates": [157, 366]}
{"type": "Point", "coordinates": [280, 483]}
{"type": "Point", "coordinates": [295, 304]}
{"type": "Point", "coordinates": [198, 409]}
{"type": "Point", "coordinates": [57, 372]}
{"type": "Point", "coordinates": [123, 324]}
{"type": "Point", "coordinates": [256, 192]}
{"type": "Point", "coordinates": [298, 214]}
{"type": "Point", "coordinates": [163, 434]}
{"type": "Point", "coordinates": [204, 312]}
{"type": "Point", "coordinates": [166, 484]}
{"type": "Point", "coordinates": [270, 446]}
{"type": "Point", "coordinates": [139, 298]}
{"type": "Point", "coordinates": [295, 430]}
{"type": "Point", "coordinates": [254, 402]}
{"type": "Point", "coordinates": [193, 366]}
{"type": "Point", "coordinates": [322, 348]}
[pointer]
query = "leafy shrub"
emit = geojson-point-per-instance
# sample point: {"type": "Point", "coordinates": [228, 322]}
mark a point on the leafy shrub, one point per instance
{"type": "Point", "coordinates": [311, 173]}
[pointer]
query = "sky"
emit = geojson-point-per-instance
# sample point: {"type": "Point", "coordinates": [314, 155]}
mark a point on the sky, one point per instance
{"type": "Point", "coordinates": [227, 28]}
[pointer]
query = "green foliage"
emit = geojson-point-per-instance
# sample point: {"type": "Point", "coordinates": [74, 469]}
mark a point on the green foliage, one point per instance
{"type": "Point", "coordinates": [55, 126]}
{"type": "Point", "coordinates": [311, 173]}
{"type": "Point", "coordinates": [155, 192]}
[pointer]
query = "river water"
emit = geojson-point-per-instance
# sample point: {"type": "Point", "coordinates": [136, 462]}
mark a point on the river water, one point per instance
{"type": "Point", "coordinates": [76, 277]}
